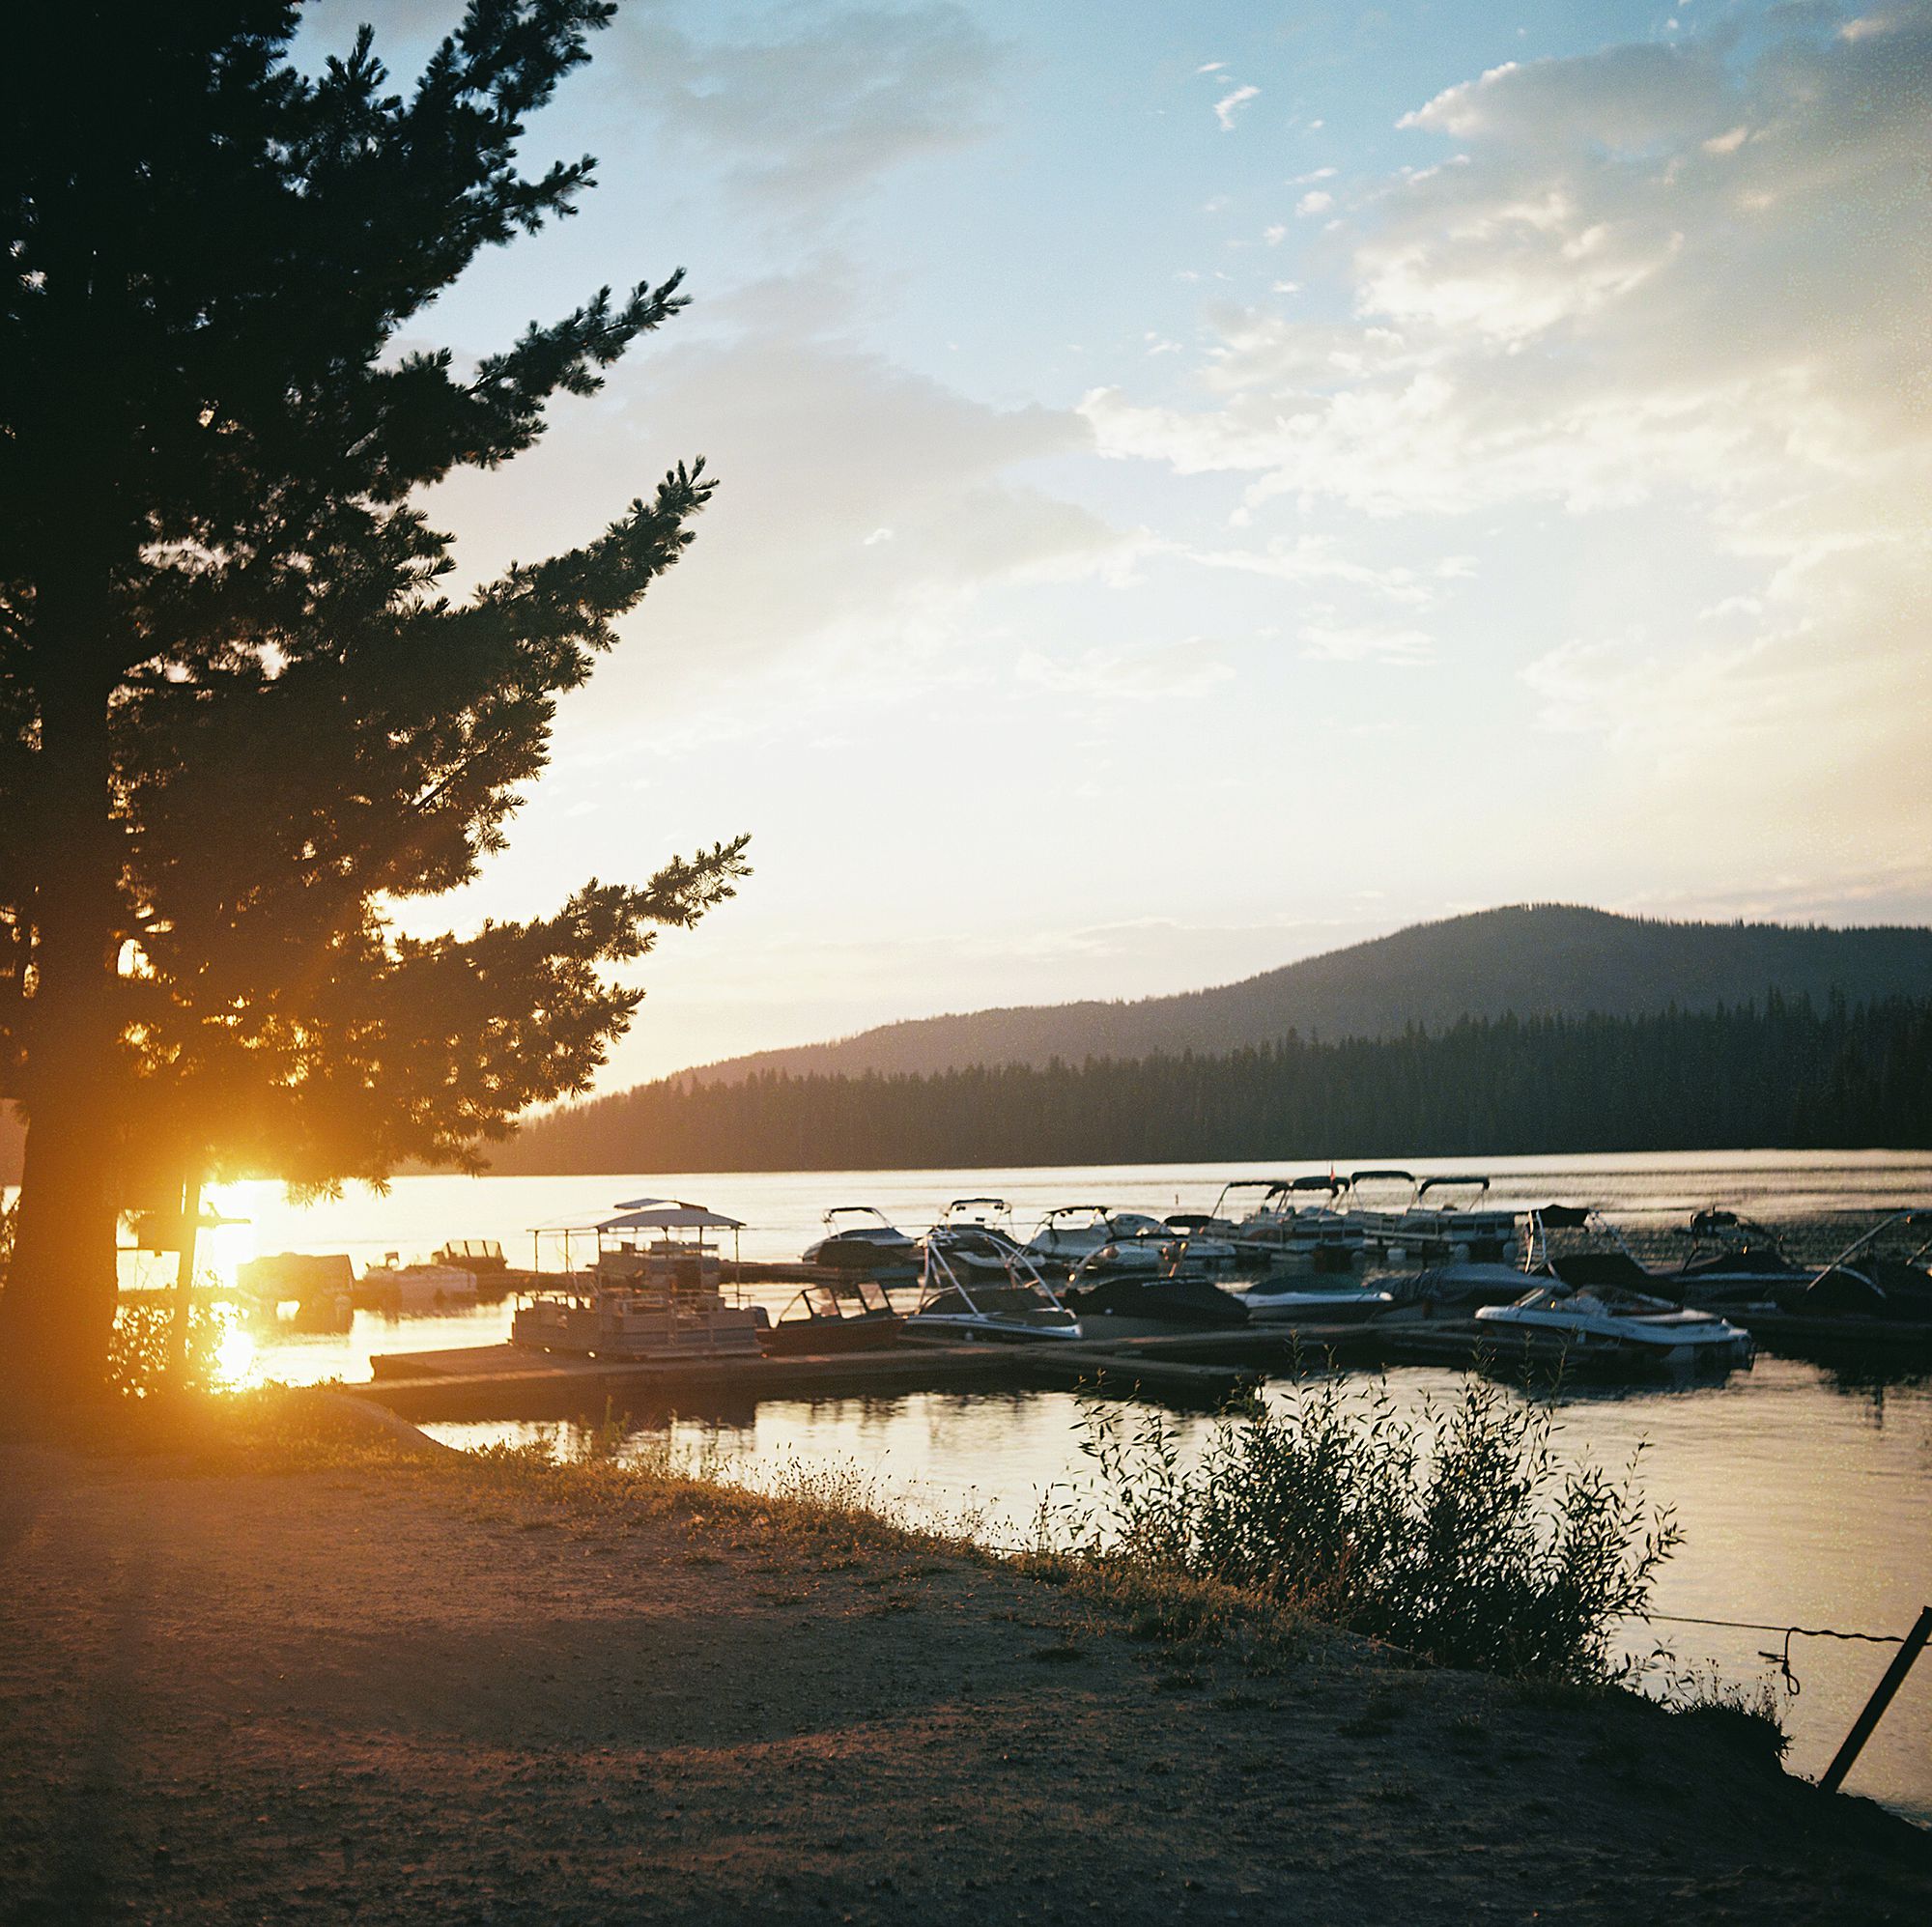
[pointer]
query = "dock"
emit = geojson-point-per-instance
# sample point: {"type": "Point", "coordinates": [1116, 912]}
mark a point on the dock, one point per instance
{"type": "Point", "coordinates": [508, 1382]}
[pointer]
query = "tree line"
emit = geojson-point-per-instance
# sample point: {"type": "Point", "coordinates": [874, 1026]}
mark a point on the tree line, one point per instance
{"type": "Point", "coordinates": [1783, 1074]}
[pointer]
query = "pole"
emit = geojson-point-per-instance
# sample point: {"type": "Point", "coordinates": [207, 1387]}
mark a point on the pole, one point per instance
{"type": "Point", "coordinates": [1895, 1677]}
{"type": "Point", "coordinates": [184, 1279]}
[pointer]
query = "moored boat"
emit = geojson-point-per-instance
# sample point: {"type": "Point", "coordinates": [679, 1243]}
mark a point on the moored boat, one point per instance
{"type": "Point", "coordinates": [1305, 1301]}
{"type": "Point", "coordinates": [973, 1303]}
{"type": "Point", "coordinates": [845, 1314]}
{"type": "Point", "coordinates": [1631, 1325]}
{"type": "Point", "coordinates": [1072, 1236]}
{"type": "Point", "coordinates": [859, 1238]}
{"type": "Point", "coordinates": [653, 1292]}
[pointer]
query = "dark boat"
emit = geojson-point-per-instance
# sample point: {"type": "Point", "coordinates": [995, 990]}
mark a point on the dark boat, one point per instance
{"type": "Point", "coordinates": [1176, 1298]}
{"type": "Point", "coordinates": [847, 1314]}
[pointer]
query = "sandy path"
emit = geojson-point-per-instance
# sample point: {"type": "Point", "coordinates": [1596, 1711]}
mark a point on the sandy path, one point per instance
{"type": "Point", "coordinates": [294, 1697]}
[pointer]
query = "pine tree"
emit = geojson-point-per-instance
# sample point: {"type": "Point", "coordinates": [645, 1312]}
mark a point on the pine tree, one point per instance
{"type": "Point", "coordinates": [239, 711]}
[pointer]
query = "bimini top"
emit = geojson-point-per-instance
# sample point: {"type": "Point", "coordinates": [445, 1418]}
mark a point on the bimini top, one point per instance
{"type": "Point", "coordinates": [671, 1215]}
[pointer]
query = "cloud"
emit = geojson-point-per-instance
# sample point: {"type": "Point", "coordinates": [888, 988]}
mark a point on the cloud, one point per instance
{"type": "Point", "coordinates": [1675, 291]}
{"type": "Point", "coordinates": [1331, 643]}
{"type": "Point", "coordinates": [861, 508]}
{"type": "Point", "coordinates": [1231, 104]}
{"type": "Point", "coordinates": [1314, 202]}
{"type": "Point", "coordinates": [823, 101]}
{"type": "Point", "coordinates": [1172, 673]}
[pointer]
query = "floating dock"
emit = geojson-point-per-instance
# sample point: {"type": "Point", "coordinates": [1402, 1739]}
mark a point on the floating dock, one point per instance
{"type": "Point", "coordinates": [507, 1382]}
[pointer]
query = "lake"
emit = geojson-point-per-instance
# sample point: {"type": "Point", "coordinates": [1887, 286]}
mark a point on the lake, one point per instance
{"type": "Point", "coordinates": [1806, 1494]}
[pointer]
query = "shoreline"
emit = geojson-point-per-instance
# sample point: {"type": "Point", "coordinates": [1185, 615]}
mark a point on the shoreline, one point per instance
{"type": "Point", "coordinates": [294, 1669]}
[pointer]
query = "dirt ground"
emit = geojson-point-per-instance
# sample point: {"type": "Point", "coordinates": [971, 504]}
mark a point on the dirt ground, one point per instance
{"type": "Point", "coordinates": [390, 1694]}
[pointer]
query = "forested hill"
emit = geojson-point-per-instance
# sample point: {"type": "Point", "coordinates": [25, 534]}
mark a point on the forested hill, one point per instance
{"type": "Point", "coordinates": [1530, 960]}
{"type": "Point", "coordinates": [1788, 1075]}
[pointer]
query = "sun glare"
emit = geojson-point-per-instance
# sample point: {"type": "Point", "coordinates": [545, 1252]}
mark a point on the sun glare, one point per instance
{"type": "Point", "coordinates": [234, 1355]}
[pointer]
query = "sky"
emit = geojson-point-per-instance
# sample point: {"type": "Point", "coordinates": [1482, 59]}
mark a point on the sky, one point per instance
{"type": "Point", "coordinates": [1203, 485]}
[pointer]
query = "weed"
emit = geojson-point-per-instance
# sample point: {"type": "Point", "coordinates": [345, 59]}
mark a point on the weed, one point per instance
{"type": "Point", "coordinates": [1751, 1717]}
{"type": "Point", "coordinates": [1455, 1536]}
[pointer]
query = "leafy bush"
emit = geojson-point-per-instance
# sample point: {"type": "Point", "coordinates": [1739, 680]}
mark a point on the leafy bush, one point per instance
{"type": "Point", "coordinates": [139, 1361]}
{"type": "Point", "coordinates": [1454, 1535]}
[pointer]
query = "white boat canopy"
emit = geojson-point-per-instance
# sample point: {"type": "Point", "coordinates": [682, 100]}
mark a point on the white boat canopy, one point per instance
{"type": "Point", "coordinates": [671, 1216]}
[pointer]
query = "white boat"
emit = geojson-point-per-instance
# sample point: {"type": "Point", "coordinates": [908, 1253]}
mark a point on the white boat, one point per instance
{"type": "Point", "coordinates": [976, 1234]}
{"type": "Point", "coordinates": [959, 1303]}
{"type": "Point", "coordinates": [1302, 1301]}
{"type": "Point", "coordinates": [1072, 1236]}
{"type": "Point", "coordinates": [1441, 1223]}
{"type": "Point", "coordinates": [1374, 1202]}
{"type": "Point", "coordinates": [414, 1290]}
{"type": "Point", "coordinates": [1287, 1229]}
{"type": "Point", "coordinates": [862, 1238]}
{"type": "Point", "coordinates": [1605, 1319]}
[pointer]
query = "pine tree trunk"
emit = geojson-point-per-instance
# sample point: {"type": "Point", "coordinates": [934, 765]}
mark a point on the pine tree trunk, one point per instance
{"type": "Point", "coordinates": [57, 1312]}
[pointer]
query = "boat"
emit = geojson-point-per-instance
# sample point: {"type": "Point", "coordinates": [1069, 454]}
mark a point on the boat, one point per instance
{"type": "Point", "coordinates": [1866, 1282]}
{"type": "Point", "coordinates": [844, 1314]}
{"type": "Point", "coordinates": [869, 1242]}
{"type": "Point", "coordinates": [1368, 1203]}
{"type": "Point", "coordinates": [1631, 1325]}
{"type": "Point", "coordinates": [1178, 1297]}
{"type": "Point", "coordinates": [413, 1290]}
{"type": "Point", "coordinates": [637, 1322]}
{"type": "Point", "coordinates": [1440, 1223]}
{"type": "Point", "coordinates": [1181, 1293]}
{"type": "Point", "coordinates": [1732, 1260]}
{"type": "Point", "coordinates": [1072, 1236]}
{"type": "Point", "coordinates": [1286, 1230]}
{"type": "Point", "coordinates": [1303, 1301]}
{"type": "Point", "coordinates": [960, 1302]}
{"type": "Point", "coordinates": [652, 1292]}
{"type": "Point", "coordinates": [977, 1235]}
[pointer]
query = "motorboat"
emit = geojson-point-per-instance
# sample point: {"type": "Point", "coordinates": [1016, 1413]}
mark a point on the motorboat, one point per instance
{"type": "Point", "coordinates": [1071, 1236]}
{"type": "Point", "coordinates": [1181, 1293]}
{"type": "Point", "coordinates": [842, 1314]}
{"type": "Point", "coordinates": [858, 1237]}
{"type": "Point", "coordinates": [1292, 1300]}
{"type": "Point", "coordinates": [1732, 1260]}
{"type": "Point", "coordinates": [1200, 1242]}
{"type": "Point", "coordinates": [400, 1291]}
{"type": "Point", "coordinates": [976, 1237]}
{"type": "Point", "coordinates": [652, 1292]}
{"type": "Point", "coordinates": [961, 1302]}
{"type": "Point", "coordinates": [1633, 1325]}
{"type": "Point", "coordinates": [1176, 1296]}
{"type": "Point", "coordinates": [1866, 1280]}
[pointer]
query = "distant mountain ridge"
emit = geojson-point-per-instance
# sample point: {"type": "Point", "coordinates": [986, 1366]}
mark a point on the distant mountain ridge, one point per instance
{"type": "Point", "coordinates": [1526, 959]}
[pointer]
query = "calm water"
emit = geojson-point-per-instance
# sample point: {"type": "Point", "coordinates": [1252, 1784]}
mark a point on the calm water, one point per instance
{"type": "Point", "coordinates": [1806, 1497]}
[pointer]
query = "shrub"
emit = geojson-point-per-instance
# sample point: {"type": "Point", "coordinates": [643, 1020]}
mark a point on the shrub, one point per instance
{"type": "Point", "coordinates": [1454, 1535]}
{"type": "Point", "coordinates": [139, 1364]}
